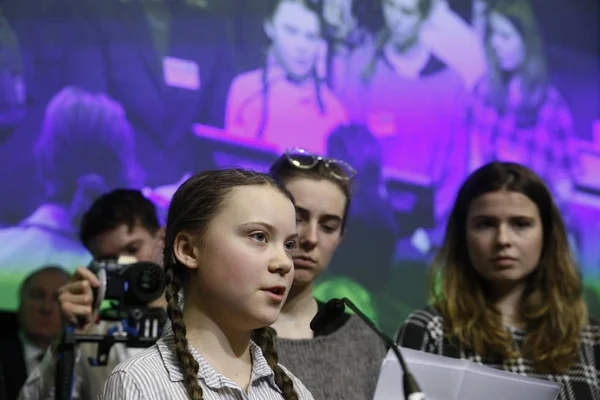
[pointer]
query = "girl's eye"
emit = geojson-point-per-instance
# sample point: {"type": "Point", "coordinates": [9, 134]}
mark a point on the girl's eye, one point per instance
{"type": "Point", "coordinates": [260, 236]}
{"type": "Point", "coordinates": [291, 246]}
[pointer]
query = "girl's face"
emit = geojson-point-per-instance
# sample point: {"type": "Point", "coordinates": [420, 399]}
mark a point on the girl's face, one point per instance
{"type": "Point", "coordinates": [295, 33]}
{"type": "Point", "coordinates": [506, 43]}
{"type": "Point", "coordinates": [504, 237]}
{"type": "Point", "coordinates": [243, 264]}
{"type": "Point", "coordinates": [320, 208]}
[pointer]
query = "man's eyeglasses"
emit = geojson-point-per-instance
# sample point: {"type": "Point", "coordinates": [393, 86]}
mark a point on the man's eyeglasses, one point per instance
{"type": "Point", "coordinates": [304, 159]}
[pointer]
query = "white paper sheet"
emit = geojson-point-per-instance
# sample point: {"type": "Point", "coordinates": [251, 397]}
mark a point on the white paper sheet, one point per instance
{"type": "Point", "coordinates": [444, 378]}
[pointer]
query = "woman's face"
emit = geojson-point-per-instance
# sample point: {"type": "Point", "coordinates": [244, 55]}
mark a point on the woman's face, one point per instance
{"type": "Point", "coordinates": [295, 33]}
{"type": "Point", "coordinates": [504, 237]}
{"type": "Point", "coordinates": [506, 42]}
{"type": "Point", "coordinates": [320, 206]}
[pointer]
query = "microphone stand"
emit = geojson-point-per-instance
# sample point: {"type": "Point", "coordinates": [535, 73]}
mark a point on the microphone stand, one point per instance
{"type": "Point", "coordinates": [411, 387]}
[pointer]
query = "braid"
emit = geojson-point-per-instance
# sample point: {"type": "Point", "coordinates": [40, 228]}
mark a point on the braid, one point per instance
{"type": "Point", "coordinates": [187, 364]}
{"type": "Point", "coordinates": [369, 70]}
{"type": "Point", "coordinates": [318, 93]}
{"type": "Point", "coordinates": [264, 78]}
{"type": "Point", "coordinates": [264, 337]}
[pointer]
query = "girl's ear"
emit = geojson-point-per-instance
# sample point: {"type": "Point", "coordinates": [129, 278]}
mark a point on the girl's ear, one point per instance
{"type": "Point", "coordinates": [185, 250]}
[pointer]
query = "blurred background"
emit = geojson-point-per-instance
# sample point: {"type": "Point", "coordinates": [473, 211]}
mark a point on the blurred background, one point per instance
{"type": "Point", "coordinates": [100, 94]}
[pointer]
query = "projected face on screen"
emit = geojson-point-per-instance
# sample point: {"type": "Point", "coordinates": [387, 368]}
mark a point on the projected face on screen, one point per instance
{"type": "Point", "coordinates": [295, 33]}
{"type": "Point", "coordinates": [338, 14]}
{"type": "Point", "coordinates": [403, 18]}
{"type": "Point", "coordinates": [506, 43]}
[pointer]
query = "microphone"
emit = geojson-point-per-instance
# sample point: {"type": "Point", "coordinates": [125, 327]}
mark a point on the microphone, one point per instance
{"type": "Point", "coordinates": [334, 309]}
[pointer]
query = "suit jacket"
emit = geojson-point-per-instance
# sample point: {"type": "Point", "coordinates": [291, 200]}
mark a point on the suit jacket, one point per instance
{"type": "Point", "coordinates": [111, 49]}
{"type": "Point", "coordinates": [13, 365]}
{"type": "Point", "coordinates": [2, 386]}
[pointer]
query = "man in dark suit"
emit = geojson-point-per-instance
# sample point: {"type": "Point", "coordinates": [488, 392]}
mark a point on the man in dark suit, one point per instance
{"type": "Point", "coordinates": [38, 324]}
{"type": "Point", "coordinates": [167, 62]}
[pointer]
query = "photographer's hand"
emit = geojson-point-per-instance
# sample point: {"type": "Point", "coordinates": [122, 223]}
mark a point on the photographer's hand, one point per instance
{"type": "Point", "coordinates": [76, 300]}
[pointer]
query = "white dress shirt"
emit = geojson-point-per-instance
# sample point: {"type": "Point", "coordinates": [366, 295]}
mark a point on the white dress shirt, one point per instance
{"type": "Point", "coordinates": [31, 353]}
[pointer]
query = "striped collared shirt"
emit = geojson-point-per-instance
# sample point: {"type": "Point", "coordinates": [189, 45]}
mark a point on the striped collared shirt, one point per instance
{"type": "Point", "coordinates": [154, 375]}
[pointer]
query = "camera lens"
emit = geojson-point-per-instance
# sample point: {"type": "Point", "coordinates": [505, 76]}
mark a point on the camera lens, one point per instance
{"type": "Point", "coordinates": [149, 280]}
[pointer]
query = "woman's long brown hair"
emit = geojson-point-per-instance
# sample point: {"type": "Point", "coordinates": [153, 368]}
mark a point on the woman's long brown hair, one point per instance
{"type": "Point", "coordinates": [552, 308]}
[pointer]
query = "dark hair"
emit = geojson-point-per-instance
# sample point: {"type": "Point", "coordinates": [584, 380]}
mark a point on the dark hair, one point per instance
{"type": "Point", "coordinates": [315, 6]}
{"type": "Point", "coordinates": [113, 209]}
{"type": "Point", "coordinates": [55, 269]}
{"type": "Point", "coordinates": [553, 288]}
{"type": "Point", "coordinates": [356, 145]}
{"type": "Point", "coordinates": [533, 73]}
{"type": "Point", "coordinates": [193, 206]}
{"type": "Point", "coordinates": [282, 170]}
{"type": "Point", "coordinates": [84, 135]}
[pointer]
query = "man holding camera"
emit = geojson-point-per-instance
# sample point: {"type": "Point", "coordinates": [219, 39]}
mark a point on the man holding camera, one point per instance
{"type": "Point", "coordinates": [120, 223]}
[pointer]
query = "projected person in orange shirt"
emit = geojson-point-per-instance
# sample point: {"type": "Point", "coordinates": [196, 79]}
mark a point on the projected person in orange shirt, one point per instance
{"type": "Point", "coordinates": [286, 102]}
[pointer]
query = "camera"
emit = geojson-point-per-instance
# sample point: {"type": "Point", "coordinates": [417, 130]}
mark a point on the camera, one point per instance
{"type": "Point", "coordinates": [130, 286]}
{"type": "Point", "coordinates": [128, 282]}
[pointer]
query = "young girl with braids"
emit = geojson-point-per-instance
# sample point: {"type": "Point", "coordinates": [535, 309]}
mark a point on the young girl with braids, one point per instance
{"type": "Point", "coordinates": [229, 240]}
{"type": "Point", "coordinates": [286, 102]}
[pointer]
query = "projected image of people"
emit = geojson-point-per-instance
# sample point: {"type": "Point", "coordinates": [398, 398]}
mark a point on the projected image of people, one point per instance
{"type": "Point", "coordinates": [86, 147]}
{"type": "Point", "coordinates": [167, 62]}
{"type": "Point", "coordinates": [286, 102]}
{"type": "Point", "coordinates": [12, 84]}
{"type": "Point", "coordinates": [517, 115]}
{"type": "Point", "coordinates": [29, 77]}
{"type": "Point", "coordinates": [410, 100]}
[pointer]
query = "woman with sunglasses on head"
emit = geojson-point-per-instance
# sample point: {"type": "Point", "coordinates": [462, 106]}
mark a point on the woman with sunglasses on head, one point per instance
{"type": "Point", "coordinates": [342, 360]}
{"type": "Point", "coordinates": [286, 102]}
{"type": "Point", "coordinates": [505, 291]}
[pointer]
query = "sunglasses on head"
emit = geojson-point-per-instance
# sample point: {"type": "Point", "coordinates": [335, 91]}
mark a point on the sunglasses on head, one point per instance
{"type": "Point", "coordinates": [304, 159]}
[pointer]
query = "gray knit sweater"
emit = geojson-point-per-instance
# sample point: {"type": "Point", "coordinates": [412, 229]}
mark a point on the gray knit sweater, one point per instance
{"type": "Point", "coordinates": [344, 364]}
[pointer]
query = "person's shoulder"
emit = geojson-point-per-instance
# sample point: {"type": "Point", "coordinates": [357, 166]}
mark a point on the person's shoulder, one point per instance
{"type": "Point", "coordinates": [148, 361]}
{"type": "Point", "coordinates": [245, 84]}
{"type": "Point", "coordinates": [425, 314]}
{"type": "Point", "coordinates": [252, 77]}
{"type": "Point", "coordinates": [592, 327]}
{"type": "Point", "coordinates": [136, 377]}
{"type": "Point", "coordinates": [590, 334]}
{"type": "Point", "coordinates": [424, 322]}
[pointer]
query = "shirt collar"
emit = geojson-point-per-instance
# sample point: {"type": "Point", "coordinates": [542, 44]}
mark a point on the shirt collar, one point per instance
{"type": "Point", "coordinates": [277, 73]}
{"type": "Point", "coordinates": [212, 378]}
{"type": "Point", "coordinates": [31, 352]}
